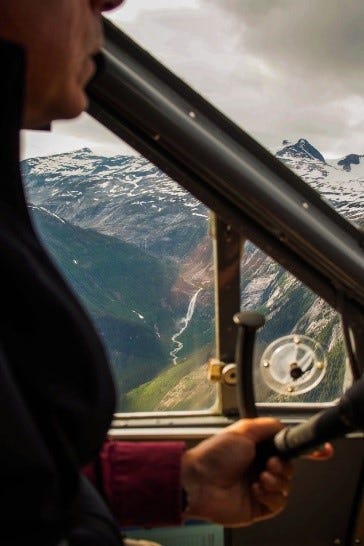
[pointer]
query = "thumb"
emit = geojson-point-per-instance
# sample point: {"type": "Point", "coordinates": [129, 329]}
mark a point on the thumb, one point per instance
{"type": "Point", "coordinates": [257, 429]}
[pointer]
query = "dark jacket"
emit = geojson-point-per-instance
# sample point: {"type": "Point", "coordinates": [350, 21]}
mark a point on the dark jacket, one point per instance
{"type": "Point", "coordinates": [56, 390]}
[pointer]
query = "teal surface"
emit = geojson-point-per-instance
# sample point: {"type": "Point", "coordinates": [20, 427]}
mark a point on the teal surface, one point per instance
{"type": "Point", "coordinates": [188, 535]}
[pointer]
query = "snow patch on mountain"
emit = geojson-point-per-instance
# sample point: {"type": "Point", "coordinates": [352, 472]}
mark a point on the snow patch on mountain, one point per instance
{"type": "Point", "coordinates": [302, 149]}
{"type": "Point", "coordinates": [339, 181]}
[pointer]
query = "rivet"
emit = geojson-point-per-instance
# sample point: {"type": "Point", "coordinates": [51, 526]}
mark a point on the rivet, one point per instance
{"type": "Point", "coordinates": [266, 364]}
{"type": "Point", "coordinates": [297, 340]}
{"type": "Point", "coordinates": [192, 114]}
{"type": "Point", "coordinates": [319, 365]}
{"type": "Point", "coordinates": [290, 388]}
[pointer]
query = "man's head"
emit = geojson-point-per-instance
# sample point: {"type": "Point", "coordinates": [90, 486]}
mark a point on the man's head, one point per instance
{"type": "Point", "coordinates": [60, 37]}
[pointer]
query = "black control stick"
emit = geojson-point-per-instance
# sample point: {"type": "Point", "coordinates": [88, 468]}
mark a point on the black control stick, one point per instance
{"type": "Point", "coordinates": [248, 323]}
{"type": "Point", "coordinates": [346, 416]}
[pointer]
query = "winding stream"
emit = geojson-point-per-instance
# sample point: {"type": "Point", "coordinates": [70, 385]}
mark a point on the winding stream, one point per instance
{"type": "Point", "coordinates": [184, 323]}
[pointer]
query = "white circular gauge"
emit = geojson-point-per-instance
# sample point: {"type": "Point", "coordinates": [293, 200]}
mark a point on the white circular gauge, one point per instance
{"type": "Point", "coordinates": [293, 364]}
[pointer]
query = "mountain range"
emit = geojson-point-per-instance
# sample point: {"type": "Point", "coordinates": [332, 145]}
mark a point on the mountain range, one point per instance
{"type": "Point", "coordinates": [134, 246]}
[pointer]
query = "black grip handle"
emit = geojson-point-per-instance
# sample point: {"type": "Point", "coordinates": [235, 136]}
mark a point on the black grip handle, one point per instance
{"type": "Point", "coordinates": [347, 416]}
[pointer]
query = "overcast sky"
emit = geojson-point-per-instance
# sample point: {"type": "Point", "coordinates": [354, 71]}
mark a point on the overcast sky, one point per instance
{"type": "Point", "coordinates": [282, 69]}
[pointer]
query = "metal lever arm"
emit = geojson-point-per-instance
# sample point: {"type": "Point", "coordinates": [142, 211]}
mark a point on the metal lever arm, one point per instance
{"type": "Point", "coordinates": [248, 323]}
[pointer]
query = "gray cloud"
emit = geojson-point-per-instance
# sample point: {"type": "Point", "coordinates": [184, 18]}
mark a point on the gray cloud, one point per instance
{"type": "Point", "coordinates": [324, 37]}
{"type": "Point", "coordinates": [279, 68]}
{"type": "Point", "coordinates": [313, 54]}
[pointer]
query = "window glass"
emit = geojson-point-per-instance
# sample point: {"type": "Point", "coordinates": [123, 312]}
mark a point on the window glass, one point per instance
{"type": "Point", "coordinates": [302, 335]}
{"type": "Point", "coordinates": [135, 248]}
{"type": "Point", "coordinates": [287, 73]}
{"type": "Point", "coordinates": [134, 245]}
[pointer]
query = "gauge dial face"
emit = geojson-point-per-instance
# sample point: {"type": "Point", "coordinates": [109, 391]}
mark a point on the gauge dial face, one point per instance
{"type": "Point", "coordinates": [293, 365]}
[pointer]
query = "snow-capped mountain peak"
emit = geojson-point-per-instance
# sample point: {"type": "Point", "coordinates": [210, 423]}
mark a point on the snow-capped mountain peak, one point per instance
{"type": "Point", "coordinates": [301, 149]}
{"type": "Point", "coordinates": [340, 181]}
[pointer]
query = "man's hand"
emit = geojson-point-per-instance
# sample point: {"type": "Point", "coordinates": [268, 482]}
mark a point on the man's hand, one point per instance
{"type": "Point", "coordinates": [216, 475]}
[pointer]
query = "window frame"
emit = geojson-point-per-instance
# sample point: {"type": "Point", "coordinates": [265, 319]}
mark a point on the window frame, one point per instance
{"type": "Point", "coordinates": [155, 112]}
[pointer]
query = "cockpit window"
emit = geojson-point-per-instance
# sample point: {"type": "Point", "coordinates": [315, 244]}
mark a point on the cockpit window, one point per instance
{"type": "Point", "coordinates": [134, 246]}
{"type": "Point", "coordinates": [300, 351]}
{"type": "Point", "coordinates": [288, 75]}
